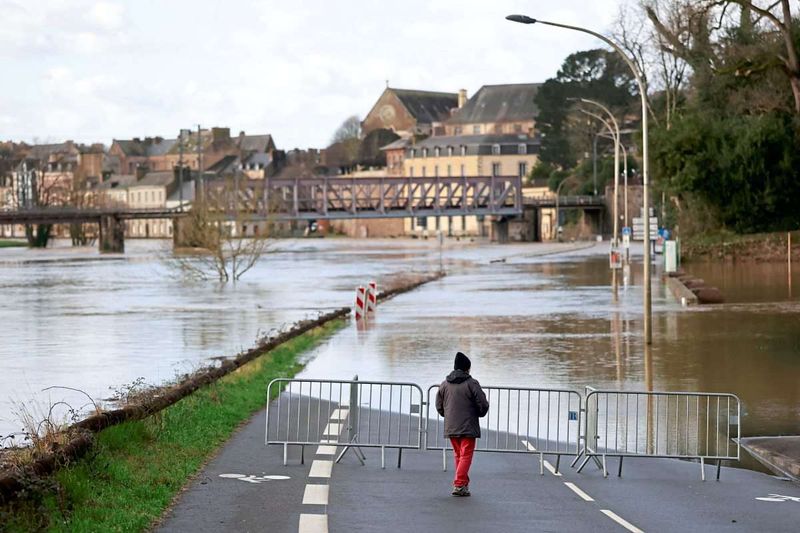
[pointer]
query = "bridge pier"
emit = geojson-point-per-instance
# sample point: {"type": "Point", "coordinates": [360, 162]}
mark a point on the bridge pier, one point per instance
{"type": "Point", "coordinates": [112, 235]}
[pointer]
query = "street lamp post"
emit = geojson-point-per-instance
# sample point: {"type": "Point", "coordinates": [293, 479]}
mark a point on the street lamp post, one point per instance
{"type": "Point", "coordinates": [522, 19]}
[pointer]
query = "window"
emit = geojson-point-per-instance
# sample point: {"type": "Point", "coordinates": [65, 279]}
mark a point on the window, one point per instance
{"type": "Point", "coordinates": [523, 169]}
{"type": "Point", "coordinates": [517, 128]}
{"type": "Point", "coordinates": [495, 149]}
{"type": "Point", "coordinates": [476, 129]}
{"type": "Point", "coordinates": [463, 150]}
{"type": "Point", "coordinates": [450, 151]}
{"type": "Point", "coordinates": [449, 171]}
{"type": "Point", "coordinates": [410, 172]}
{"type": "Point", "coordinates": [522, 148]}
{"type": "Point", "coordinates": [436, 171]}
{"type": "Point", "coordinates": [457, 130]}
{"type": "Point", "coordinates": [495, 169]}
{"type": "Point", "coordinates": [423, 171]}
{"type": "Point", "coordinates": [463, 173]}
{"type": "Point", "coordinates": [412, 153]}
{"type": "Point", "coordinates": [422, 222]}
{"type": "Point", "coordinates": [424, 152]}
{"type": "Point", "coordinates": [436, 151]}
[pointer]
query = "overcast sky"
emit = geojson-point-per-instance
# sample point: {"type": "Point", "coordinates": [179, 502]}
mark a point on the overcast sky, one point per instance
{"type": "Point", "coordinates": [96, 70]}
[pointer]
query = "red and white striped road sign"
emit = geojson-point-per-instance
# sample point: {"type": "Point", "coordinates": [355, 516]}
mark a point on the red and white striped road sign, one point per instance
{"type": "Point", "coordinates": [361, 303]}
{"type": "Point", "coordinates": [372, 297]}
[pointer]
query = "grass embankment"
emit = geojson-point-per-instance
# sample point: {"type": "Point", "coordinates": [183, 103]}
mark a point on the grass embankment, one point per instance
{"type": "Point", "coordinates": [137, 468]}
{"type": "Point", "coordinates": [730, 246]}
{"type": "Point", "coordinates": [12, 244]}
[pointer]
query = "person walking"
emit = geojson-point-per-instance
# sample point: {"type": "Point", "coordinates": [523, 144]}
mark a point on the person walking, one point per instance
{"type": "Point", "coordinates": [461, 402]}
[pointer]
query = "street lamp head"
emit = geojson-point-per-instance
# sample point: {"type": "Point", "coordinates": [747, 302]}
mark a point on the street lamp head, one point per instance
{"type": "Point", "coordinates": [522, 19]}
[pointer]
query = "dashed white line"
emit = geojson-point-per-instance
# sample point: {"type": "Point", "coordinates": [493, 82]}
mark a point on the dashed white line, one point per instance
{"type": "Point", "coordinates": [547, 464]}
{"type": "Point", "coordinates": [339, 414]}
{"type": "Point", "coordinates": [313, 523]}
{"type": "Point", "coordinates": [321, 468]}
{"type": "Point", "coordinates": [316, 495]}
{"type": "Point", "coordinates": [332, 429]}
{"type": "Point", "coordinates": [325, 449]}
{"type": "Point", "coordinates": [578, 491]}
{"type": "Point", "coordinates": [621, 521]}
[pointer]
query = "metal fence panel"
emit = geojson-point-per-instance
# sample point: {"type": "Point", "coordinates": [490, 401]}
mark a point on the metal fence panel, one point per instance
{"type": "Point", "coordinates": [355, 413]}
{"type": "Point", "coordinates": [683, 425]}
{"type": "Point", "coordinates": [520, 420]}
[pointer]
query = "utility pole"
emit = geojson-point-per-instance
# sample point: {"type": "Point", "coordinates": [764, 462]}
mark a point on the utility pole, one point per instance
{"type": "Point", "coordinates": [201, 180]}
{"type": "Point", "coordinates": [180, 168]}
{"type": "Point", "coordinates": [594, 163]}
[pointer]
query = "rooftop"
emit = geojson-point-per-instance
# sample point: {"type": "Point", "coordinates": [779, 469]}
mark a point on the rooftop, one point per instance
{"type": "Point", "coordinates": [427, 106]}
{"type": "Point", "coordinates": [499, 103]}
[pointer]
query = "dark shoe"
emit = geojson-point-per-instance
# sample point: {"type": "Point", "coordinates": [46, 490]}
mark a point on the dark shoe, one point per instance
{"type": "Point", "coordinates": [461, 491]}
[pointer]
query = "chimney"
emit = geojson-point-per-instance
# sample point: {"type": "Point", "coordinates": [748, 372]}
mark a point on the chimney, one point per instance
{"type": "Point", "coordinates": [220, 135]}
{"type": "Point", "coordinates": [462, 98]}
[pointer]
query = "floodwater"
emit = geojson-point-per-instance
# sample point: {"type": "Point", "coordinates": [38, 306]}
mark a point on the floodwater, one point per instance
{"type": "Point", "coordinates": [73, 318]}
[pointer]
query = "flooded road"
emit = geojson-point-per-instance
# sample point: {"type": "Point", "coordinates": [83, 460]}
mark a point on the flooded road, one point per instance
{"type": "Point", "coordinates": [73, 318]}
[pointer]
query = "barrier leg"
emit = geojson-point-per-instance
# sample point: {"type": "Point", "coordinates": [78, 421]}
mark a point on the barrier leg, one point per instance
{"type": "Point", "coordinates": [399, 457]}
{"type": "Point", "coordinates": [605, 470]}
{"type": "Point", "coordinates": [383, 457]}
{"type": "Point", "coordinates": [558, 462]}
{"type": "Point", "coordinates": [285, 453]}
{"type": "Point", "coordinates": [586, 460]}
{"type": "Point", "coordinates": [719, 466]}
{"type": "Point", "coordinates": [619, 472]}
{"type": "Point", "coordinates": [444, 460]}
{"type": "Point", "coordinates": [302, 454]}
{"type": "Point", "coordinates": [577, 458]}
{"type": "Point", "coordinates": [702, 469]}
{"type": "Point", "coordinates": [541, 464]}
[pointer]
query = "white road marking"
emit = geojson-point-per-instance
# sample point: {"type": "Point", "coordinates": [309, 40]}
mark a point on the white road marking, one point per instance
{"type": "Point", "coordinates": [321, 468]}
{"type": "Point", "coordinates": [326, 450]}
{"type": "Point", "coordinates": [547, 464]}
{"type": "Point", "coordinates": [316, 495]}
{"type": "Point", "coordinates": [253, 478]}
{"type": "Point", "coordinates": [778, 498]}
{"type": "Point", "coordinates": [313, 523]}
{"type": "Point", "coordinates": [332, 429]}
{"type": "Point", "coordinates": [329, 441]}
{"type": "Point", "coordinates": [621, 521]}
{"type": "Point", "coordinates": [339, 414]}
{"type": "Point", "coordinates": [578, 491]}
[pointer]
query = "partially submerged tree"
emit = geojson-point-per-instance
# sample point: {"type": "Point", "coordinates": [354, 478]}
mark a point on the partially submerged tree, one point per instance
{"type": "Point", "coordinates": [219, 237]}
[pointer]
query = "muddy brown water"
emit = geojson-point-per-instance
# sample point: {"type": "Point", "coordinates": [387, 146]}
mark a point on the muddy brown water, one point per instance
{"type": "Point", "coordinates": [73, 318]}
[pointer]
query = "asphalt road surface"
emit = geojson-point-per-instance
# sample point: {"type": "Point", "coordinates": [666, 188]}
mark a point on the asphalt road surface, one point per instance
{"type": "Point", "coordinates": [247, 488]}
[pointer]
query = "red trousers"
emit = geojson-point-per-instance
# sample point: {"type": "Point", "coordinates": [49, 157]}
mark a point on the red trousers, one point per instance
{"type": "Point", "coordinates": [463, 448]}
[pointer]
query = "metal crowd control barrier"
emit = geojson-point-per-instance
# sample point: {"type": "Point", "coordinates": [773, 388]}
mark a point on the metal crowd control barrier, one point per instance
{"type": "Point", "coordinates": [520, 420]}
{"type": "Point", "coordinates": [681, 425]}
{"type": "Point", "coordinates": [371, 414]}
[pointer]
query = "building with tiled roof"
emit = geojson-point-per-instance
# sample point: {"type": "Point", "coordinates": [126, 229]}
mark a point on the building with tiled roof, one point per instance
{"type": "Point", "coordinates": [497, 109]}
{"type": "Point", "coordinates": [409, 112]}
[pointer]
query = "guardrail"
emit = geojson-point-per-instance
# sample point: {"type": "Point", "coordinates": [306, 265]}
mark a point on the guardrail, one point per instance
{"type": "Point", "coordinates": [371, 414]}
{"type": "Point", "coordinates": [680, 425]}
{"type": "Point", "coordinates": [520, 420]}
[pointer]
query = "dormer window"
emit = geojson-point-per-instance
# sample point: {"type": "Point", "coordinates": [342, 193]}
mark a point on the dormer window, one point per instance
{"type": "Point", "coordinates": [436, 151]}
{"type": "Point", "coordinates": [463, 150]}
{"type": "Point", "coordinates": [449, 150]}
{"type": "Point", "coordinates": [424, 152]}
{"type": "Point", "coordinates": [413, 152]}
{"type": "Point", "coordinates": [495, 149]}
{"type": "Point", "coordinates": [522, 148]}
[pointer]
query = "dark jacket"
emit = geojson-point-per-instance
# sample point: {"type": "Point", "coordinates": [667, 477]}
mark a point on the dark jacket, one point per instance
{"type": "Point", "coordinates": [461, 402]}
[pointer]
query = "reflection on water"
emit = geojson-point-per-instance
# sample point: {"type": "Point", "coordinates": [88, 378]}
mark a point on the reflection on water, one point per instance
{"type": "Point", "coordinates": [73, 318]}
{"type": "Point", "coordinates": [556, 322]}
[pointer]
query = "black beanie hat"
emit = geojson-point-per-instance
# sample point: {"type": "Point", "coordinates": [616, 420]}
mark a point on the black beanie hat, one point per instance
{"type": "Point", "coordinates": [462, 362]}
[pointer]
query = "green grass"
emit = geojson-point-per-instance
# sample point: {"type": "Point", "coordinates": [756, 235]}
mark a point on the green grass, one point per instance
{"type": "Point", "coordinates": [137, 468]}
{"type": "Point", "coordinates": [12, 244]}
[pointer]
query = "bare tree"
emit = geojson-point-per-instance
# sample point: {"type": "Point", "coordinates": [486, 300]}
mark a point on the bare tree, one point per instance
{"type": "Point", "coordinates": [348, 130]}
{"type": "Point", "coordinates": [216, 233]}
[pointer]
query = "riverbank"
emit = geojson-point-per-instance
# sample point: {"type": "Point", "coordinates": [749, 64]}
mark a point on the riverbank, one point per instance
{"type": "Point", "coordinates": [759, 247]}
{"type": "Point", "coordinates": [137, 468]}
